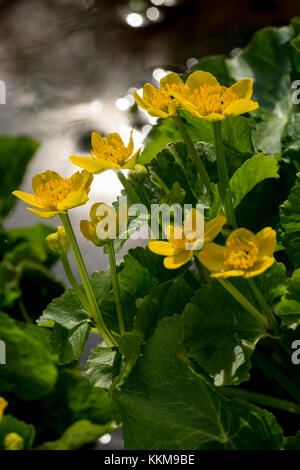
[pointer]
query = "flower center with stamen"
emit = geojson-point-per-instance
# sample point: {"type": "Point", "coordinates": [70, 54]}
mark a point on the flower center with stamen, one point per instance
{"type": "Point", "coordinates": [241, 254]}
{"type": "Point", "coordinates": [162, 98]}
{"type": "Point", "coordinates": [115, 151]}
{"type": "Point", "coordinates": [212, 98]}
{"type": "Point", "coordinates": [51, 193]}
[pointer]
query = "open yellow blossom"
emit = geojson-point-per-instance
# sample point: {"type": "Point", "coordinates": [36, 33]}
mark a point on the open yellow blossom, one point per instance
{"type": "Point", "coordinates": [244, 254]}
{"type": "Point", "coordinates": [180, 248]}
{"type": "Point", "coordinates": [108, 153]}
{"type": "Point", "coordinates": [205, 98]}
{"type": "Point", "coordinates": [54, 194]}
{"type": "Point", "coordinates": [160, 103]}
{"type": "Point", "coordinates": [3, 405]}
{"type": "Point", "coordinates": [105, 227]}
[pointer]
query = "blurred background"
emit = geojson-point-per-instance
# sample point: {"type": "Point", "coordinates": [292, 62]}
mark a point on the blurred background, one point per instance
{"type": "Point", "coordinates": [71, 67]}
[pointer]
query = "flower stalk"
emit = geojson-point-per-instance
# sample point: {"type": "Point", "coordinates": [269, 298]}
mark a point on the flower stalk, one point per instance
{"type": "Point", "coordinates": [193, 153]}
{"type": "Point", "coordinates": [127, 185]}
{"type": "Point", "coordinates": [224, 185]}
{"type": "Point", "coordinates": [244, 302]}
{"type": "Point", "coordinates": [265, 307]}
{"type": "Point", "coordinates": [116, 286]}
{"type": "Point", "coordinates": [77, 288]}
{"type": "Point", "coordinates": [94, 308]}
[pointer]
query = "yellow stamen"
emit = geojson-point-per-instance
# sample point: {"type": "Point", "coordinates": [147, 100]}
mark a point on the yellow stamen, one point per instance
{"type": "Point", "coordinates": [114, 151]}
{"type": "Point", "coordinates": [52, 192]}
{"type": "Point", "coordinates": [212, 99]}
{"type": "Point", "coordinates": [162, 98]}
{"type": "Point", "coordinates": [241, 254]}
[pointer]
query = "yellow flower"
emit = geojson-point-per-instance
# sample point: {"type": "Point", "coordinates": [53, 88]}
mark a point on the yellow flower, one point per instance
{"type": "Point", "coordinates": [110, 223]}
{"type": "Point", "coordinates": [3, 405]}
{"type": "Point", "coordinates": [58, 241]}
{"type": "Point", "coordinates": [13, 441]}
{"type": "Point", "coordinates": [244, 254]}
{"type": "Point", "coordinates": [180, 248]}
{"type": "Point", "coordinates": [205, 98]}
{"type": "Point", "coordinates": [55, 195]}
{"type": "Point", "coordinates": [107, 154]}
{"type": "Point", "coordinates": [160, 103]}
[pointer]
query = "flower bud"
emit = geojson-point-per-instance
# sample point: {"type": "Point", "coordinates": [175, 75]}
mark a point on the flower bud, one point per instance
{"type": "Point", "coordinates": [3, 405]}
{"type": "Point", "coordinates": [13, 441]}
{"type": "Point", "coordinates": [138, 174]}
{"type": "Point", "coordinates": [58, 242]}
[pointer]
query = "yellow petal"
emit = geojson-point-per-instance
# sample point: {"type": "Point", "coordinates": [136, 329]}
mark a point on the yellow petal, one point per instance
{"type": "Point", "coordinates": [157, 113]}
{"type": "Point", "coordinates": [129, 147]}
{"type": "Point", "coordinates": [45, 214]}
{"type": "Point", "coordinates": [171, 79]}
{"type": "Point", "coordinates": [73, 199]}
{"type": "Point", "coordinates": [240, 107]}
{"type": "Point", "coordinates": [213, 117]}
{"type": "Point", "coordinates": [93, 165]}
{"type": "Point", "coordinates": [113, 137]}
{"type": "Point", "coordinates": [229, 273]}
{"type": "Point", "coordinates": [88, 230]}
{"type": "Point", "coordinates": [184, 101]}
{"type": "Point", "coordinates": [259, 267]}
{"type": "Point", "coordinates": [140, 101]}
{"type": "Point", "coordinates": [130, 163]}
{"type": "Point", "coordinates": [212, 256]}
{"type": "Point", "coordinates": [163, 248]}
{"type": "Point", "coordinates": [97, 142]}
{"type": "Point", "coordinates": [149, 91]}
{"type": "Point", "coordinates": [28, 198]}
{"type": "Point", "coordinates": [81, 181]}
{"type": "Point", "coordinates": [42, 178]}
{"type": "Point", "coordinates": [213, 228]}
{"type": "Point", "coordinates": [243, 88]}
{"type": "Point", "coordinates": [241, 234]}
{"type": "Point", "coordinates": [174, 262]}
{"type": "Point", "coordinates": [266, 241]}
{"type": "Point", "coordinates": [199, 78]}
{"type": "Point", "coordinates": [3, 405]}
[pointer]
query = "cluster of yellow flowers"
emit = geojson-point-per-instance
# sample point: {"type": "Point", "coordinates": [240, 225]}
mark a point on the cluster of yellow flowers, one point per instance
{"type": "Point", "coordinates": [244, 253]}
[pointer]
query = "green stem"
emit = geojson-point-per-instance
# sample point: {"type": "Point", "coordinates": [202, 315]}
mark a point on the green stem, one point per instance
{"type": "Point", "coordinates": [265, 307]}
{"type": "Point", "coordinates": [103, 330]}
{"type": "Point", "coordinates": [244, 302]}
{"type": "Point", "coordinates": [77, 289]}
{"type": "Point", "coordinates": [116, 286]}
{"type": "Point", "coordinates": [193, 153]}
{"type": "Point", "coordinates": [261, 399]}
{"type": "Point", "coordinates": [24, 312]}
{"type": "Point", "coordinates": [273, 370]}
{"type": "Point", "coordinates": [135, 199]}
{"type": "Point", "coordinates": [224, 184]}
{"type": "Point", "coordinates": [159, 182]}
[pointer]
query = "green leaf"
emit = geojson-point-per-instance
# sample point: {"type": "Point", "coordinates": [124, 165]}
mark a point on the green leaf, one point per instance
{"type": "Point", "coordinates": [165, 405]}
{"type": "Point", "coordinates": [9, 424]}
{"type": "Point", "coordinates": [267, 61]}
{"type": "Point", "coordinates": [130, 346]}
{"type": "Point", "coordinates": [102, 366]}
{"type": "Point", "coordinates": [165, 300]}
{"type": "Point", "coordinates": [29, 371]}
{"type": "Point", "coordinates": [220, 335]}
{"type": "Point", "coordinates": [235, 131]}
{"type": "Point", "coordinates": [253, 171]}
{"type": "Point", "coordinates": [78, 435]}
{"type": "Point", "coordinates": [289, 307]}
{"type": "Point", "coordinates": [290, 224]}
{"type": "Point", "coordinates": [292, 442]}
{"type": "Point", "coordinates": [15, 154]}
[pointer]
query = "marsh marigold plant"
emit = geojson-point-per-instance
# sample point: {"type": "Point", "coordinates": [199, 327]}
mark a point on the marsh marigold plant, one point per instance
{"type": "Point", "coordinates": [205, 98]}
{"type": "Point", "coordinates": [54, 194]}
{"type": "Point", "coordinates": [108, 153]}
